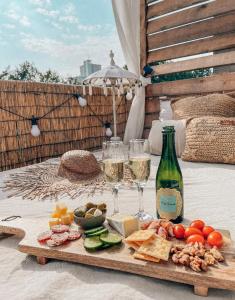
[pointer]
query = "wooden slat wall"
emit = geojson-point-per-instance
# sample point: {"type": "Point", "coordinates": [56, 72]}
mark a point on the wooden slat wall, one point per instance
{"type": "Point", "coordinates": [191, 15]}
{"type": "Point", "coordinates": [185, 29]}
{"type": "Point", "coordinates": [224, 82]}
{"type": "Point", "coordinates": [222, 59]}
{"type": "Point", "coordinates": [213, 26]}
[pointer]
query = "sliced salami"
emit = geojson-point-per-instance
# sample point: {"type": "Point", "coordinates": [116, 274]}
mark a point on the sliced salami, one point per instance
{"type": "Point", "coordinates": [51, 243]}
{"type": "Point", "coordinates": [74, 235]}
{"type": "Point", "coordinates": [44, 236]}
{"type": "Point", "coordinates": [60, 228]}
{"type": "Point", "coordinates": [60, 238]}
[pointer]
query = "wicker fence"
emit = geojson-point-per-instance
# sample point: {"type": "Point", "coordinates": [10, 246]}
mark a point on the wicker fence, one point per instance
{"type": "Point", "coordinates": [67, 127]}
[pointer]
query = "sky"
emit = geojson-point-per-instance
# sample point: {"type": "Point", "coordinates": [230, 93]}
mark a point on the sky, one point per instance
{"type": "Point", "coordinates": [57, 34]}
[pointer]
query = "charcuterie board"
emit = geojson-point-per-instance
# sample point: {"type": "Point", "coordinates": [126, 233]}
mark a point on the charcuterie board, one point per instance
{"type": "Point", "coordinates": [119, 258]}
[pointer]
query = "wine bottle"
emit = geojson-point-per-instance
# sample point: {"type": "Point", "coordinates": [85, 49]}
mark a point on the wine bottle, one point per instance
{"type": "Point", "coordinates": [169, 180]}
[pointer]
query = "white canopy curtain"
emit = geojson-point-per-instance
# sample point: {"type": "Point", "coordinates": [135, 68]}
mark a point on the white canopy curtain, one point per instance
{"type": "Point", "coordinates": [127, 17]}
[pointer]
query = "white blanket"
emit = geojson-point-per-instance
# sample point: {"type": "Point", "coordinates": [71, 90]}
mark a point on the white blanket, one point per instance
{"type": "Point", "coordinates": [209, 195]}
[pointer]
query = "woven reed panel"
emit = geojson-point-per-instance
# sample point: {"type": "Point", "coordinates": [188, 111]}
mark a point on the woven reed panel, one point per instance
{"type": "Point", "coordinates": [210, 139]}
{"type": "Point", "coordinates": [66, 128]}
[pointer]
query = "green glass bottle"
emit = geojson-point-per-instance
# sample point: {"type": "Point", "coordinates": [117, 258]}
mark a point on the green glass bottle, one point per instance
{"type": "Point", "coordinates": [169, 181]}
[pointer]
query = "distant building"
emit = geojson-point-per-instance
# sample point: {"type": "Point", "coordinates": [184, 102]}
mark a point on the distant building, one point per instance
{"type": "Point", "coordinates": [88, 68]}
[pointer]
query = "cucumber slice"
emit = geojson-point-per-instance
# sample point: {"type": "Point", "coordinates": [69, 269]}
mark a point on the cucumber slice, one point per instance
{"type": "Point", "coordinates": [92, 243]}
{"type": "Point", "coordinates": [90, 231]}
{"type": "Point", "coordinates": [105, 246]}
{"type": "Point", "coordinates": [98, 233]}
{"type": "Point", "coordinates": [110, 238]}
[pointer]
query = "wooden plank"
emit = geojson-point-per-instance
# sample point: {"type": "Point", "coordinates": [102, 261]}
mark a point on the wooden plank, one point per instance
{"type": "Point", "coordinates": [214, 83]}
{"type": "Point", "coordinates": [219, 42]}
{"type": "Point", "coordinates": [167, 6]}
{"type": "Point", "coordinates": [146, 133]}
{"type": "Point", "coordinates": [143, 37]}
{"type": "Point", "coordinates": [201, 290]}
{"type": "Point", "coordinates": [191, 15]}
{"type": "Point", "coordinates": [220, 24]}
{"type": "Point", "coordinates": [221, 59]}
{"type": "Point", "coordinates": [149, 118]}
{"type": "Point", "coordinates": [152, 106]}
{"type": "Point", "coordinates": [120, 257]}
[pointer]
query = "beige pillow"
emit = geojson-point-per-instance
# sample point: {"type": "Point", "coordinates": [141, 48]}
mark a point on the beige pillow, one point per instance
{"type": "Point", "coordinates": [155, 135]}
{"type": "Point", "coordinates": [210, 139]}
{"type": "Point", "coordinates": [209, 105]}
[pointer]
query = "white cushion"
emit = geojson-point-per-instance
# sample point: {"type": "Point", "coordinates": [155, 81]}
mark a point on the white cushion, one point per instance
{"type": "Point", "coordinates": [155, 135]}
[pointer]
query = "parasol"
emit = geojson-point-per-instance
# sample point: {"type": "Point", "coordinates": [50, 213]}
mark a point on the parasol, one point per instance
{"type": "Point", "coordinates": [116, 78]}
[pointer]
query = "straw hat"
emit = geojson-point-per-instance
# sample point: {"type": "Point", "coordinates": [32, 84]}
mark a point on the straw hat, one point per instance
{"type": "Point", "coordinates": [78, 165]}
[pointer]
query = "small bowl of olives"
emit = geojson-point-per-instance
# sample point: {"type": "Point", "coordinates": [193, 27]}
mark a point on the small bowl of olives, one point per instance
{"type": "Point", "coordinates": [90, 215]}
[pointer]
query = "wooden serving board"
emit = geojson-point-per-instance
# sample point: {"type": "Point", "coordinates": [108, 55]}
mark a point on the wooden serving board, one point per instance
{"type": "Point", "coordinates": [120, 258]}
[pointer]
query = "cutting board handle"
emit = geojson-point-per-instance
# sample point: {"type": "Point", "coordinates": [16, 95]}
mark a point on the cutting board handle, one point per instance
{"type": "Point", "coordinates": [10, 218]}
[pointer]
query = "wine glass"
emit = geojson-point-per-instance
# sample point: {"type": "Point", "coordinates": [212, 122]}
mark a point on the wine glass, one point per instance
{"type": "Point", "coordinates": [113, 158]}
{"type": "Point", "coordinates": [139, 165]}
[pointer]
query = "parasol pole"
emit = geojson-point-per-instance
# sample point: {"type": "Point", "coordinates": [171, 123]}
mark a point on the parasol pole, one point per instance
{"type": "Point", "coordinates": [114, 113]}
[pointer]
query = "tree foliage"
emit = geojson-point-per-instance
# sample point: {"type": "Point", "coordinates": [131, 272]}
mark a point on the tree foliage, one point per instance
{"type": "Point", "coordinates": [50, 77]}
{"type": "Point", "coordinates": [27, 71]}
{"type": "Point", "coordinates": [180, 75]}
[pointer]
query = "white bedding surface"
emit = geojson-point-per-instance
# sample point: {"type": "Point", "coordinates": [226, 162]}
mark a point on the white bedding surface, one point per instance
{"type": "Point", "coordinates": [209, 195]}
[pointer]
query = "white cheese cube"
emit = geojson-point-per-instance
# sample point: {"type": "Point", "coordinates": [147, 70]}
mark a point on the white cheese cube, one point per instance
{"type": "Point", "coordinates": [125, 225]}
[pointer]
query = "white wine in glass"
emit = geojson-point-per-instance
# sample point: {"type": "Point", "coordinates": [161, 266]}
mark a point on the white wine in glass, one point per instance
{"type": "Point", "coordinates": [139, 165]}
{"type": "Point", "coordinates": [113, 164]}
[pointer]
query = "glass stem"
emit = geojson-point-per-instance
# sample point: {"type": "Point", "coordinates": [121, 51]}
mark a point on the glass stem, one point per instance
{"type": "Point", "coordinates": [115, 200]}
{"type": "Point", "coordinates": [140, 193]}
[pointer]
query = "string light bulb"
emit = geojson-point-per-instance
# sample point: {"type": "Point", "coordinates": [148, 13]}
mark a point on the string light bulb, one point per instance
{"type": "Point", "coordinates": [129, 95]}
{"type": "Point", "coordinates": [108, 130]}
{"type": "Point", "coordinates": [35, 131]}
{"type": "Point", "coordinates": [82, 101]}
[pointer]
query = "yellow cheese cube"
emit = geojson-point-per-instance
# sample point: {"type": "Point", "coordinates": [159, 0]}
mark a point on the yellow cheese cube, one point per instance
{"type": "Point", "coordinates": [70, 213]}
{"type": "Point", "coordinates": [54, 221]}
{"type": "Point", "coordinates": [61, 208]}
{"type": "Point", "coordinates": [66, 220]}
{"type": "Point", "coordinates": [55, 214]}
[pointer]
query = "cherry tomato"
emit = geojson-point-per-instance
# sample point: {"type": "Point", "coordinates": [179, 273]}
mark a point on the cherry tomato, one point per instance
{"type": "Point", "coordinates": [179, 231]}
{"type": "Point", "coordinates": [207, 230]}
{"type": "Point", "coordinates": [215, 238]}
{"type": "Point", "coordinates": [195, 238]}
{"type": "Point", "coordinates": [191, 230]}
{"type": "Point", "coordinates": [199, 224]}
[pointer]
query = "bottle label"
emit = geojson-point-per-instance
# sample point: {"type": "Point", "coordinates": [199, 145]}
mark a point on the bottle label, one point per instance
{"type": "Point", "coordinates": [169, 203]}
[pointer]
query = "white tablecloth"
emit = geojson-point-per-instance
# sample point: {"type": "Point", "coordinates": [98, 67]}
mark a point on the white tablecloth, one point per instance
{"type": "Point", "coordinates": [209, 195]}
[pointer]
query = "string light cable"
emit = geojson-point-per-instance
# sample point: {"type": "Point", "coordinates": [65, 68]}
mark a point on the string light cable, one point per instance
{"type": "Point", "coordinates": [35, 131]}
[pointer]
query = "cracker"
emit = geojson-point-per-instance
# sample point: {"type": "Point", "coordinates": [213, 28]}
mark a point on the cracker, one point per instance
{"type": "Point", "coordinates": [145, 257]}
{"type": "Point", "coordinates": [140, 235]}
{"type": "Point", "coordinates": [133, 245]}
{"type": "Point", "coordinates": [140, 243]}
{"type": "Point", "coordinates": [158, 248]}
